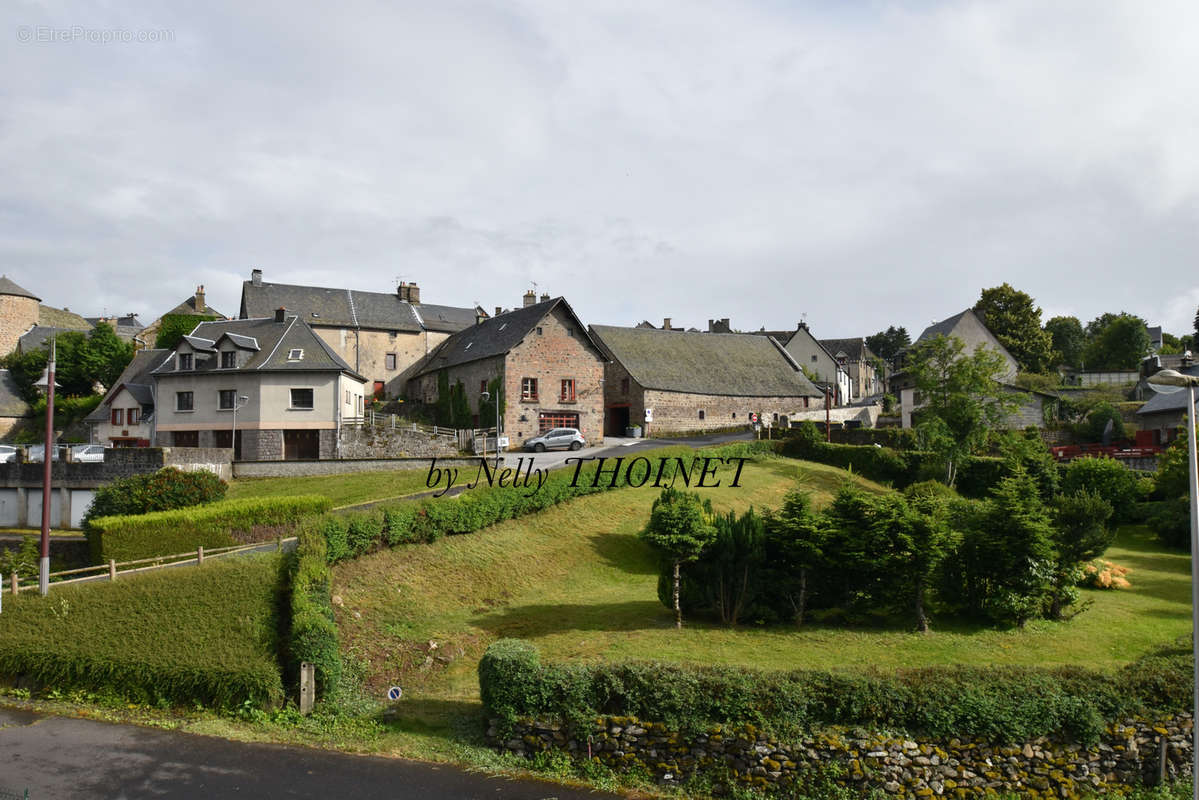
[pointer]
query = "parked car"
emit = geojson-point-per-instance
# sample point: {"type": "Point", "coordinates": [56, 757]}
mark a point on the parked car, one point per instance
{"type": "Point", "coordinates": [7, 453]}
{"type": "Point", "coordinates": [37, 453]}
{"type": "Point", "coordinates": [88, 452]}
{"type": "Point", "coordinates": [571, 438]}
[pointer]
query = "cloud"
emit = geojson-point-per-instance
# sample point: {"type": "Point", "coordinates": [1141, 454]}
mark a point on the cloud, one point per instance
{"type": "Point", "coordinates": [869, 166]}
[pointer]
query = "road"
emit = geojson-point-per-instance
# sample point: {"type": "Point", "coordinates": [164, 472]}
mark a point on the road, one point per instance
{"type": "Point", "coordinates": [66, 758]}
{"type": "Point", "coordinates": [613, 446]}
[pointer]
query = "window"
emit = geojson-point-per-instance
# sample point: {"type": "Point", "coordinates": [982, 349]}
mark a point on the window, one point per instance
{"type": "Point", "coordinates": [295, 355]}
{"type": "Point", "coordinates": [185, 361]}
{"type": "Point", "coordinates": [225, 398]}
{"type": "Point", "coordinates": [390, 361]}
{"type": "Point", "coordinates": [482, 385]}
{"type": "Point", "coordinates": [361, 405]}
{"type": "Point", "coordinates": [301, 398]}
{"type": "Point", "coordinates": [701, 413]}
{"type": "Point", "coordinates": [183, 401]}
{"type": "Point", "coordinates": [349, 399]}
{"type": "Point", "coordinates": [734, 415]}
{"type": "Point", "coordinates": [528, 388]}
{"type": "Point", "coordinates": [134, 415]}
{"type": "Point", "coordinates": [624, 385]}
{"type": "Point", "coordinates": [539, 331]}
{"type": "Point", "coordinates": [813, 358]}
{"type": "Point", "coordinates": [228, 359]}
{"type": "Point", "coordinates": [570, 332]}
{"type": "Point", "coordinates": [118, 416]}
{"type": "Point", "coordinates": [568, 390]}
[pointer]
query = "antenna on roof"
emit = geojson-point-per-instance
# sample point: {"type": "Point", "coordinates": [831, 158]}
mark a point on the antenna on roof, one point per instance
{"type": "Point", "coordinates": [804, 317]}
{"type": "Point", "coordinates": [534, 286]}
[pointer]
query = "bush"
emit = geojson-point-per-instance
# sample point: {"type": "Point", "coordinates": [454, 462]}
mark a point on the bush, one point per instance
{"type": "Point", "coordinates": [1107, 478]}
{"type": "Point", "coordinates": [312, 634]}
{"type": "Point", "coordinates": [1172, 522]}
{"type": "Point", "coordinates": [161, 533]}
{"type": "Point", "coordinates": [166, 489]}
{"type": "Point", "coordinates": [1007, 704]}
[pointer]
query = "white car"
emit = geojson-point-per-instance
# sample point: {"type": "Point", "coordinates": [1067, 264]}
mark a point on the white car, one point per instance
{"type": "Point", "coordinates": [7, 453]}
{"type": "Point", "coordinates": [88, 452]}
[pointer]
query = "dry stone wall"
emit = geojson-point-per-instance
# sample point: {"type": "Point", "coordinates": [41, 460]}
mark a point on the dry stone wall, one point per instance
{"type": "Point", "coordinates": [1129, 754]}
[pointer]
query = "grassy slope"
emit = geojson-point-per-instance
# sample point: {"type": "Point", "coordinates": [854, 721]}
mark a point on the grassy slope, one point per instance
{"type": "Point", "coordinates": [343, 490]}
{"type": "Point", "coordinates": [219, 616]}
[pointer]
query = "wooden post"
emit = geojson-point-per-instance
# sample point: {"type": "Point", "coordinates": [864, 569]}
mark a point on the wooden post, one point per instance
{"type": "Point", "coordinates": [278, 543]}
{"type": "Point", "coordinates": [307, 687]}
{"type": "Point", "coordinates": [200, 554]}
{"type": "Point", "coordinates": [112, 569]}
{"type": "Point", "coordinates": [16, 582]}
{"type": "Point", "coordinates": [1162, 744]}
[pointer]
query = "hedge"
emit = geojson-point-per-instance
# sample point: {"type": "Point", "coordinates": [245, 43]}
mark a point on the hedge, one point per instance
{"type": "Point", "coordinates": [162, 533]}
{"type": "Point", "coordinates": [1004, 704]}
{"type": "Point", "coordinates": [166, 489]}
{"type": "Point", "coordinates": [206, 635]}
{"type": "Point", "coordinates": [312, 632]}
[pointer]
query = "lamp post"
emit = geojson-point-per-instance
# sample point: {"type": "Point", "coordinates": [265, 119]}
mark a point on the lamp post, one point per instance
{"type": "Point", "coordinates": [486, 396]}
{"type": "Point", "coordinates": [1168, 381]}
{"type": "Point", "coordinates": [47, 384]}
{"type": "Point", "coordinates": [238, 402]}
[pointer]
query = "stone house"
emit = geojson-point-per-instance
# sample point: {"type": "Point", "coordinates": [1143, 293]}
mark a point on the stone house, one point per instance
{"type": "Point", "coordinates": [550, 369]}
{"type": "Point", "coordinates": [297, 391]}
{"type": "Point", "coordinates": [1164, 414]}
{"type": "Point", "coordinates": [27, 324]}
{"type": "Point", "coordinates": [125, 417]}
{"type": "Point", "coordinates": [856, 358]}
{"type": "Point", "coordinates": [194, 306]}
{"type": "Point", "coordinates": [810, 354]}
{"type": "Point", "coordinates": [126, 328]}
{"type": "Point", "coordinates": [680, 382]}
{"type": "Point", "coordinates": [13, 408]}
{"type": "Point", "coordinates": [382, 335]}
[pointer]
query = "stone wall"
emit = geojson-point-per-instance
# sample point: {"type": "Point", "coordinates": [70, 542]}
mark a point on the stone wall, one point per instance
{"type": "Point", "coordinates": [679, 412]}
{"type": "Point", "coordinates": [381, 442]}
{"type": "Point", "coordinates": [1129, 754]}
{"type": "Point", "coordinates": [280, 469]}
{"type": "Point", "coordinates": [17, 315]}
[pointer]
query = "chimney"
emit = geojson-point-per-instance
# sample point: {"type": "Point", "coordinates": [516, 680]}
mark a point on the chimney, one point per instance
{"type": "Point", "coordinates": [256, 277]}
{"type": "Point", "coordinates": [280, 313]}
{"type": "Point", "coordinates": [499, 310]}
{"type": "Point", "coordinates": [200, 297]}
{"type": "Point", "coordinates": [530, 298]}
{"type": "Point", "coordinates": [666, 323]}
{"type": "Point", "coordinates": [409, 293]}
{"type": "Point", "coordinates": [801, 326]}
{"type": "Point", "coordinates": [545, 297]}
{"type": "Point", "coordinates": [479, 317]}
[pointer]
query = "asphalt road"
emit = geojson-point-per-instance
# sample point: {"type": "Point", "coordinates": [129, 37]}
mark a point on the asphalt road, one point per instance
{"type": "Point", "coordinates": [65, 758]}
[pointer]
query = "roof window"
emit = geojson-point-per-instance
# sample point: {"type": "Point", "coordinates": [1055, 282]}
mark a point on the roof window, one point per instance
{"type": "Point", "coordinates": [295, 354]}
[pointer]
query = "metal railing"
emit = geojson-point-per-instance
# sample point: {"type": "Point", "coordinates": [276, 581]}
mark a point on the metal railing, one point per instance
{"type": "Point", "coordinates": [391, 422]}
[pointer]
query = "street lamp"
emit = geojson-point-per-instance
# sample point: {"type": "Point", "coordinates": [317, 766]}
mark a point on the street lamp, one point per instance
{"type": "Point", "coordinates": [47, 385]}
{"type": "Point", "coordinates": [1169, 381]}
{"type": "Point", "coordinates": [239, 402]}
{"type": "Point", "coordinates": [485, 397]}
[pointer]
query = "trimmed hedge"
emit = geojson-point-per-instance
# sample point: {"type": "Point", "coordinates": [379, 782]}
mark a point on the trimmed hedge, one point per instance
{"type": "Point", "coordinates": [162, 533]}
{"type": "Point", "coordinates": [312, 632]}
{"type": "Point", "coordinates": [1000, 703]}
{"type": "Point", "coordinates": [166, 489]}
{"type": "Point", "coordinates": [204, 635]}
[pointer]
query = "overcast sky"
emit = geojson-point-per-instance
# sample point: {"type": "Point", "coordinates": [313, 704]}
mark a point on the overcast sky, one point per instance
{"type": "Point", "coordinates": [865, 164]}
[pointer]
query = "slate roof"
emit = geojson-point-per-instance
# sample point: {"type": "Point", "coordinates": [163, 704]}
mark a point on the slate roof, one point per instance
{"type": "Point", "coordinates": [275, 341]}
{"type": "Point", "coordinates": [782, 337]}
{"type": "Point", "coordinates": [11, 402]}
{"type": "Point", "coordinates": [8, 287]}
{"type": "Point", "coordinates": [349, 308]}
{"type": "Point", "coordinates": [496, 336]}
{"type": "Point", "coordinates": [706, 363]}
{"type": "Point", "coordinates": [62, 319]}
{"type": "Point", "coordinates": [137, 377]}
{"type": "Point", "coordinates": [854, 349]}
{"type": "Point", "coordinates": [37, 336]}
{"type": "Point", "coordinates": [188, 308]}
{"type": "Point", "coordinates": [1166, 403]}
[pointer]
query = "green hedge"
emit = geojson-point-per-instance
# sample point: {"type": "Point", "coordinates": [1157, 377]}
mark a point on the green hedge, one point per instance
{"type": "Point", "coordinates": [166, 489]}
{"type": "Point", "coordinates": [312, 632]}
{"type": "Point", "coordinates": [161, 533]}
{"type": "Point", "coordinates": [1001, 703]}
{"type": "Point", "coordinates": [206, 635]}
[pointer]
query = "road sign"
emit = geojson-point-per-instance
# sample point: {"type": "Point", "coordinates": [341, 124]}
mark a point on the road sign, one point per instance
{"type": "Point", "coordinates": [395, 693]}
{"type": "Point", "coordinates": [502, 441]}
{"type": "Point", "coordinates": [649, 415]}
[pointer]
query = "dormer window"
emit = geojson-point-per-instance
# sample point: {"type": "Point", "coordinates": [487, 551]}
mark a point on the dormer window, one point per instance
{"type": "Point", "coordinates": [228, 359]}
{"type": "Point", "coordinates": [185, 361]}
{"type": "Point", "coordinates": [295, 355]}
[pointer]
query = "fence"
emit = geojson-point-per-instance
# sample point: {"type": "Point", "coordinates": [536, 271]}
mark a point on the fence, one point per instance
{"type": "Point", "coordinates": [392, 422]}
{"type": "Point", "coordinates": [112, 569]}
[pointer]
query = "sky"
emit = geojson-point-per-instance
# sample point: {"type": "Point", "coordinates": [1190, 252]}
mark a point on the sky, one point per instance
{"type": "Point", "coordinates": [854, 165]}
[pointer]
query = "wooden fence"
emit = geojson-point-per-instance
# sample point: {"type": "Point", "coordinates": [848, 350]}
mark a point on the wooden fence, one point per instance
{"type": "Point", "coordinates": [112, 569]}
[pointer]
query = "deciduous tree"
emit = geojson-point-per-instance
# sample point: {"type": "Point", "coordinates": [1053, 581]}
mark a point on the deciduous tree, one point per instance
{"type": "Point", "coordinates": [1068, 339]}
{"type": "Point", "coordinates": [1116, 341]}
{"type": "Point", "coordinates": [1015, 320]}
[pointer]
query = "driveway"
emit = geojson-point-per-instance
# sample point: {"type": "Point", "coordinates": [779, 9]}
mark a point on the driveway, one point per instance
{"type": "Point", "coordinates": [65, 758]}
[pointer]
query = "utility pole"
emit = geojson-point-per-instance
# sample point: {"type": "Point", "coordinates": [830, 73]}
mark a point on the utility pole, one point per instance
{"type": "Point", "coordinates": [828, 424]}
{"type": "Point", "coordinates": [44, 565]}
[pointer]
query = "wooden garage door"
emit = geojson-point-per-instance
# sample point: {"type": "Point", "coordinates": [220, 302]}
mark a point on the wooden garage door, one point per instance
{"type": "Point", "coordinates": [301, 445]}
{"type": "Point", "coordinates": [549, 420]}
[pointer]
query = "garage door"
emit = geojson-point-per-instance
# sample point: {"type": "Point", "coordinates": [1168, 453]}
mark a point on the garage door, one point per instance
{"type": "Point", "coordinates": [301, 444]}
{"type": "Point", "coordinates": [549, 420]}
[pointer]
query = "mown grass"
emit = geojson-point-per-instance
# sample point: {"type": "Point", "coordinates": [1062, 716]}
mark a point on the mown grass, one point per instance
{"type": "Point", "coordinates": [343, 490]}
{"type": "Point", "coordinates": [578, 582]}
{"type": "Point", "coordinates": [204, 634]}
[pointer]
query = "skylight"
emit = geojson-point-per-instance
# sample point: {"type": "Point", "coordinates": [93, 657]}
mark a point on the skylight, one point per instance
{"type": "Point", "coordinates": [295, 355]}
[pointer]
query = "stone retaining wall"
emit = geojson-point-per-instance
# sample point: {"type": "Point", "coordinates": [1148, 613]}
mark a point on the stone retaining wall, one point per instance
{"type": "Point", "coordinates": [381, 442]}
{"type": "Point", "coordinates": [291, 469]}
{"type": "Point", "coordinates": [1129, 754]}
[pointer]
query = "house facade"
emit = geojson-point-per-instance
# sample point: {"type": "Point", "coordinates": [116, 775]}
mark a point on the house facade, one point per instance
{"type": "Point", "coordinates": [550, 369]}
{"type": "Point", "coordinates": [1164, 414]}
{"type": "Point", "coordinates": [383, 336]}
{"type": "Point", "coordinates": [286, 390]}
{"type": "Point", "coordinates": [680, 382]}
{"type": "Point", "coordinates": [857, 360]}
{"type": "Point", "coordinates": [815, 358]}
{"type": "Point", "coordinates": [125, 417]}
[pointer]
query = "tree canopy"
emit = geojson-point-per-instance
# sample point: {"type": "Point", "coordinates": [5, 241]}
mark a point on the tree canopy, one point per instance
{"type": "Point", "coordinates": [175, 326]}
{"type": "Point", "coordinates": [1115, 342]}
{"type": "Point", "coordinates": [889, 343]}
{"type": "Point", "coordinates": [1016, 322]}
{"type": "Point", "coordinates": [1068, 340]}
{"type": "Point", "coordinates": [81, 359]}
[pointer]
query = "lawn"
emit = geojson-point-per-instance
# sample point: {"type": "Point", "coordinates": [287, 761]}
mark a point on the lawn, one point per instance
{"type": "Point", "coordinates": [178, 635]}
{"type": "Point", "coordinates": [344, 490]}
{"type": "Point", "coordinates": [578, 582]}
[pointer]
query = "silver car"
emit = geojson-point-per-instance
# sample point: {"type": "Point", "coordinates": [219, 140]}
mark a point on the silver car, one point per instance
{"type": "Point", "coordinates": [565, 438]}
{"type": "Point", "coordinates": [7, 453]}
